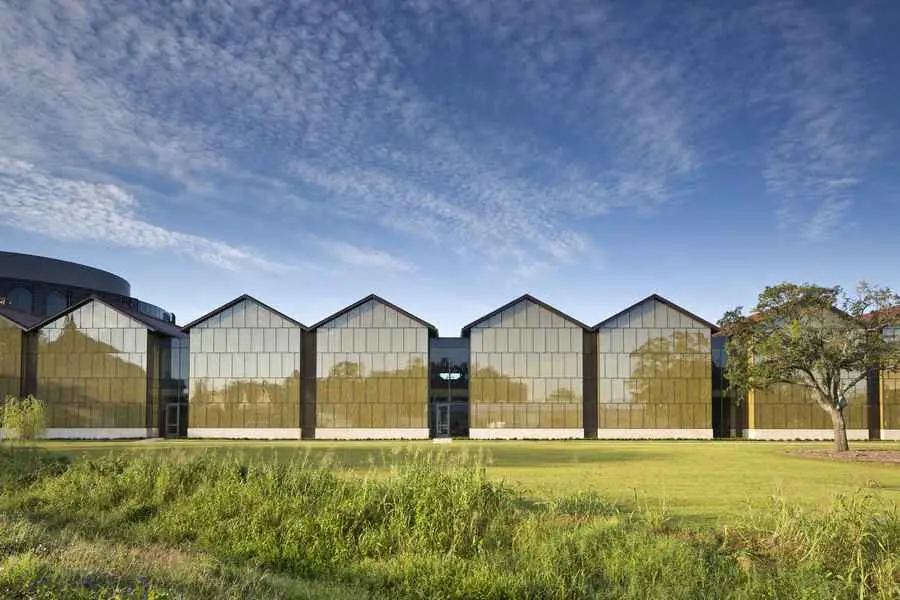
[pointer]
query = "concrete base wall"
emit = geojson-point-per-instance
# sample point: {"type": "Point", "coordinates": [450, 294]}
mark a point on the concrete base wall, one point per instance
{"type": "Point", "coordinates": [98, 433]}
{"type": "Point", "coordinates": [371, 434]}
{"type": "Point", "coordinates": [244, 433]}
{"type": "Point", "coordinates": [525, 434]}
{"type": "Point", "coordinates": [654, 434]}
{"type": "Point", "coordinates": [890, 434]}
{"type": "Point", "coordinates": [803, 434]}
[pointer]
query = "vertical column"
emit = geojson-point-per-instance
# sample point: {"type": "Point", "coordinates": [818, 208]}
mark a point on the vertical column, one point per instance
{"type": "Point", "coordinates": [751, 413]}
{"type": "Point", "coordinates": [308, 359]}
{"type": "Point", "coordinates": [589, 385]}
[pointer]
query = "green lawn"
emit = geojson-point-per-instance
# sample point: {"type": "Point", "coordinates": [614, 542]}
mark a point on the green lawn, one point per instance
{"type": "Point", "coordinates": [702, 482]}
{"type": "Point", "coordinates": [573, 520]}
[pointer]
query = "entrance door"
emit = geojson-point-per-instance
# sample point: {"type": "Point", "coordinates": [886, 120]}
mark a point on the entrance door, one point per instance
{"type": "Point", "coordinates": [442, 419]}
{"type": "Point", "coordinates": [173, 420]}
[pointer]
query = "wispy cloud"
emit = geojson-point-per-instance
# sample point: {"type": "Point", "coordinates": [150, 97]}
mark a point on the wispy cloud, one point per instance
{"type": "Point", "coordinates": [352, 255]}
{"type": "Point", "coordinates": [505, 130]}
{"type": "Point", "coordinates": [344, 98]}
{"type": "Point", "coordinates": [823, 143]}
{"type": "Point", "coordinates": [74, 210]}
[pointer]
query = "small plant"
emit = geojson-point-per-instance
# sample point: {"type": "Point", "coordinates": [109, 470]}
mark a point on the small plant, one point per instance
{"type": "Point", "coordinates": [23, 419]}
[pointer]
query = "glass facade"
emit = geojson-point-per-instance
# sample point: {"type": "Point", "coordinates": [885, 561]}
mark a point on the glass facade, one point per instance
{"type": "Point", "coordinates": [728, 414]}
{"type": "Point", "coordinates": [56, 302]}
{"type": "Point", "coordinates": [526, 370]}
{"type": "Point", "coordinates": [170, 383]}
{"type": "Point", "coordinates": [890, 400]}
{"type": "Point", "coordinates": [92, 370]}
{"type": "Point", "coordinates": [654, 370]}
{"type": "Point", "coordinates": [448, 380]}
{"type": "Point", "coordinates": [11, 338]}
{"type": "Point", "coordinates": [244, 369]}
{"type": "Point", "coordinates": [20, 298]}
{"type": "Point", "coordinates": [790, 406]}
{"type": "Point", "coordinates": [371, 370]}
{"type": "Point", "coordinates": [890, 391]}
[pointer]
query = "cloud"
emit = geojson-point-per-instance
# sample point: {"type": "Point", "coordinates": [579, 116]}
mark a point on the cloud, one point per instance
{"type": "Point", "coordinates": [74, 210]}
{"type": "Point", "coordinates": [356, 256]}
{"type": "Point", "coordinates": [823, 144]}
{"type": "Point", "coordinates": [344, 99]}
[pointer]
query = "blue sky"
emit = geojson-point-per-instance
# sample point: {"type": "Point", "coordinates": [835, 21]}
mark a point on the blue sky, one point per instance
{"type": "Point", "coordinates": [451, 155]}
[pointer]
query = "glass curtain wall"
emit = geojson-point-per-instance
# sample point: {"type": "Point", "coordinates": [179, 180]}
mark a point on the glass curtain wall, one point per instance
{"type": "Point", "coordinates": [526, 370]}
{"type": "Point", "coordinates": [170, 381]}
{"type": "Point", "coordinates": [788, 406]}
{"type": "Point", "coordinates": [11, 338]}
{"type": "Point", "coordinates": [245, 370]}
{"type": "Point", "coordinates": [890, 393]}
{"type": "Point", "coordinates": [92, 369]}
{"type": "Point", "coordinates": [449, 387]}
{"type": "Point", "coordinates": [654, 370]}
{"type": "Point", "coordinates": [728, 414]}
{"type": "Point", "coordinates": [371, 369]}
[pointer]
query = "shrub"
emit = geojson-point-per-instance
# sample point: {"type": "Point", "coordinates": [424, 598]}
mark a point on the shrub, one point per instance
{"type": "Point", "coordinates": [23, 418]}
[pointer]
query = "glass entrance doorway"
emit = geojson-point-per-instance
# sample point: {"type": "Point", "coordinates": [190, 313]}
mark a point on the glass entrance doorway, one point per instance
{"type": "Point", "coordinates": [448, 406]}
{"type": "Point", "coordinates": [441, 419]}
{"type": "Point", "coordinates": [175, 422]}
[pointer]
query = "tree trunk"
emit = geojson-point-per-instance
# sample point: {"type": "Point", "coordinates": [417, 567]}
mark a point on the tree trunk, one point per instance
{"type": "Point", "coordinates": [840, 430]}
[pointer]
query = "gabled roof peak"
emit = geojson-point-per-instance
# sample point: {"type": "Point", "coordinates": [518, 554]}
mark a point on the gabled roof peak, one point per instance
{"type": "Point", "coordinates": [377, 298]}
{"type": "Point", "coordinates": [147, 321]}
{"type": "Point", "coordinates": [236, 301]}
{"type": "Point", "coordinates": [654, 296]}
{"type": "Point", "coordinates": [526, 297]}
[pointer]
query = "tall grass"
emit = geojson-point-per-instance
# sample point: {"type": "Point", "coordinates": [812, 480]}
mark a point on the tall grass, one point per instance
{"type": "Point", "coordinates": [435, 526]}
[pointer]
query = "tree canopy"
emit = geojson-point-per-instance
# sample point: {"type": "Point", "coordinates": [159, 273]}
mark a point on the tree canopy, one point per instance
{"type": "Point", "coordinates": [817, 337]}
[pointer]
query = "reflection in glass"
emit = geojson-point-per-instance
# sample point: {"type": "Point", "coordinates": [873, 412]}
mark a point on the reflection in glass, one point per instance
{"type": "Point", "coordinates": [448, 415]}
{"type": "Point", "coordinates": [92, 369]}
{"type": "Point", "coordinates": [10, 359]}
{"type": "Point", "coordinates": [890, 399]}
{"type": "Point", "coordinates": [371, 370]}
{"type": "Point", "coordinates": [526, 370]}
{"type": "Point", "coordinates": [20, 298]}
{"type": "Point", "coordinates": [56, 302]}
{"type": "Point", "coordinates": [790, 406]}
{"type": "Point", "coordinates": [654, 370]}
{"type": "Point", "coordinates": [245, 369]}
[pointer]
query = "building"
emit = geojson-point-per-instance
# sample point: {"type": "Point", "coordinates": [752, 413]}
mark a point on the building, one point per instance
{"type": "Point", "coordinates": [526, 372]}
{"type": "Point", "coordinates": [654, 368]}
{"type": "Point", "coordinates": [14, 325]}
{"type": "Point", "coordinates": [372, 372]}
{"type": "Point", "coordinates": [44, 286]}
{"type": "Point", "coordinates": [245, 372]}
{"type": "Point", "coordinates": [111, 366]}
{"type": "Point", "coordinates": [105, 371]}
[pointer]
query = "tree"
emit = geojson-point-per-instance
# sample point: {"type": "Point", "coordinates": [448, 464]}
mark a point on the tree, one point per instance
{"type": "Point", "coordinates": [812, 336]}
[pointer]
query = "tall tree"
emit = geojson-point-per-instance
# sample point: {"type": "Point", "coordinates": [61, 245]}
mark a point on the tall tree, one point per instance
{"type": "Point", "coordinates": [817, 337]}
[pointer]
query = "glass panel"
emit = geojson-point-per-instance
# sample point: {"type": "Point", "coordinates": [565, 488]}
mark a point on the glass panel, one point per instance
{"type": "Point", "coordinates": [10, 358]}
{"type": "Point", "coordinates": [92, 370]}
{"type": "Point", "coordinates": [249, 376]}
{"type": "Point", "coordinates": [370, 373]}
{"type": "Point", "coordinates": [519, 374]}
{"type": "Point", "coordinates": [654, 371]}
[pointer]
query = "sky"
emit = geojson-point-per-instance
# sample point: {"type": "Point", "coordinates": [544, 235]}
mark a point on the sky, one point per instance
{"type": "Point", "coordinates": [453, 155]}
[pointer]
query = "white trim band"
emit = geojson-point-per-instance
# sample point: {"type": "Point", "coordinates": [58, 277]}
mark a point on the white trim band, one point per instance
{"type": "Point", "coordinates": [654, 434]}
{"type": "Point", "coordinates": [890, 434]}
{"type": "Point", "coordinates": [98, 433]}
{"type": "Point", "coordinates": [803, 434]}
{"type": "Point", "coordinates": [334, 433]}
{"type": "Point", "coordinates": [244, 433]}
{"type": "Point", "coordinates": [498, 433]}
